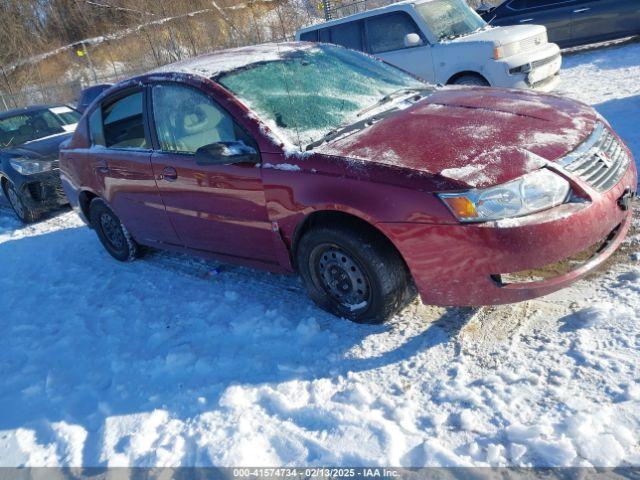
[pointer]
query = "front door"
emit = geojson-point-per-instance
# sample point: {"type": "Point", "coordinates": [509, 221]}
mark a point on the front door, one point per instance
{"type": "Point", "coordinates": [386, 39]}
{"type": "Point", "coordinates": [553, 14]}
{"type": "Point", "coordinates": [215, 208]}
{"type": "Point", "coordinates": [595, 20]}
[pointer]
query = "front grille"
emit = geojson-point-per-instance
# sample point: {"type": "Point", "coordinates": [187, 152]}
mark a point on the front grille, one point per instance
{"type": "Point", "coordinates": [544, 61]}
{"type": "Point", "coordinates": [544, 82]}
{"type": "Point", "coordinates": [601, 161]}
{"type": "Point", "coordinates": [531, 42]}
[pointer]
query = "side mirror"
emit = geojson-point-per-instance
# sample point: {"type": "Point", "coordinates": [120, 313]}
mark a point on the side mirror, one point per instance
{"type": "Point", "coordinates": [226, 153]}
{"type": "Point", "coordinates": [412, 40]}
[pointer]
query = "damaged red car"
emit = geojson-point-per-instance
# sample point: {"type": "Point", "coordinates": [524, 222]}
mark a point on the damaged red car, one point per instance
{"type": "Point", "coordinates": [370, 183]}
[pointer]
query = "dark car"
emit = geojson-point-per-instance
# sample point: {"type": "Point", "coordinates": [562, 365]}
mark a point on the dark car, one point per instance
{"type": "Point", "coordinates": [366, 180]}
{"type": "Point", "coordinates": [29, 147]}
{"type": "Point", "coordinates": [89, 94]}
{"type": "Point", "coordinates": [571, 22]}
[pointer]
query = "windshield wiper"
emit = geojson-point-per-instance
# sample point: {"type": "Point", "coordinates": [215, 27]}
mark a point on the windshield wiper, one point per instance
{"type": "Point", "coordinates": [365, 122]}
{"type": "Point", "coordinates": [387, 98]}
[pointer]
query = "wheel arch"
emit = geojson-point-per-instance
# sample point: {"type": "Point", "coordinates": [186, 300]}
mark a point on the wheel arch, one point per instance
{"type": "Point", "coordinates": [465, 73]}
{"type": "Point", "coordinates": [85, 197]}
{"type": "Point", "coordinates": [328, 217]}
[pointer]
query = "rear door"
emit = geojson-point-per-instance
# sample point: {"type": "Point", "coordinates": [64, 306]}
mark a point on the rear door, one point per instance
{"type": "Point", "coordinates": [121, 158]}
{"type": "Point", "coordinates": [556, 15]}
{"type": "Point", "coordinates": [385, 35]}
{"type": "Point", "coordinates": [215, 208]}
{"type": "Point", "coordinates": [598, 20]}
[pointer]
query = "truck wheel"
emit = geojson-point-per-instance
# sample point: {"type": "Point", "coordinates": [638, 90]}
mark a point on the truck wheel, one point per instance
{"type": "Point", "coordinates": [21, 209]}
{"type": "Point", "coordinates": [112, 233]}
{"type": "Point", "coordinates": [353, 274]}
{"type": "Point", "coordinates": [471, 80]}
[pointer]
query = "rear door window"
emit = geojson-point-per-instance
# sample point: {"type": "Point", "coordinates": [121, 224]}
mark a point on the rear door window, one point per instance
{"type": "Point", "coordinates": [348, 35]}
{"type": "Point", "coordinates": [311, 36]}
{"type": "Point", "coordinates": [123, 123]}
{"type": "Point", "coordinates": [387, 32]}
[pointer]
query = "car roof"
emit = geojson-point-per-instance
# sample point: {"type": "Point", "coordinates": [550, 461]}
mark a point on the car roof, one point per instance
{"type": "Point", "coordinates": [213, 64]}
{"type": "Point", "coordinates": [29, 109]}
{"type": "Point", "coordinates": [97, 87]}
{"type": "Point", "coordinates": [365, 14]}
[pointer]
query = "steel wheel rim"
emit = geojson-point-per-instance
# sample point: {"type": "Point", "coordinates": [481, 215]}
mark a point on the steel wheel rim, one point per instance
{"type": "Point", "coordinates": [112, 231]}
{"type": "Point", "coordinates": [15, 201]}
{"type": "Point", "coordinates": [341, 277]}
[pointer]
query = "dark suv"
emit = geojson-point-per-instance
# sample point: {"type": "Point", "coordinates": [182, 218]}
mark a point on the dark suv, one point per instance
{"type": "Point", "coordinates": [29, 146]}
{"type": "Point", "coordinates": [571, 22]}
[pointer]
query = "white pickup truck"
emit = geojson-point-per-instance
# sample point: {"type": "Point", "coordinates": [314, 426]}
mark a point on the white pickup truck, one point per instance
{"type": "Point", "coordinates": [446, 42]}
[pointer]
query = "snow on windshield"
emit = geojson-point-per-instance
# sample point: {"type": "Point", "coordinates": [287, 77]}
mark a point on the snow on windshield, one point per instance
{"type": "Point", "coordinates": [308, 93]}
{"type": "Point", "coordinates": [450, 18]}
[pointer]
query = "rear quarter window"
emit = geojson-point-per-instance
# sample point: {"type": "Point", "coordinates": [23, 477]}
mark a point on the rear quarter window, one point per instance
{"type": "Point", "coordinates": [95, 128]}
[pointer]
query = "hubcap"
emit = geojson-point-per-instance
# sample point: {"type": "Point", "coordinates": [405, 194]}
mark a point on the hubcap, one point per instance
{"type": "Point", "coordinates": [112, 230]}
{"type": "Point", "coordinates": [15, 202]}
{"type": "Point", "coordinates": [342, 278]}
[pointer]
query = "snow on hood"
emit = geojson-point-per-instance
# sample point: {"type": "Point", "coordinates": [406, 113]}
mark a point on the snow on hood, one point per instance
{"type": "Point", "coordinates": [476, 136]}
{"type": "Point", "coordinates": [212, 64]}
{"type": "Point", "coordinates": [502, 35]}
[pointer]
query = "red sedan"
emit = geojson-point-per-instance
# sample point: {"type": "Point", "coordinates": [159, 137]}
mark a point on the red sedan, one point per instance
{"type": "Point", "coordinates": [368, 182]}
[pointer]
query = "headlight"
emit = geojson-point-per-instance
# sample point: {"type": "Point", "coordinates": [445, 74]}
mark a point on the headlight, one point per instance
{"type": "Point", "coordinates": [530, 193]}
{"type": "Point", "coordinates": [26, 166]}
{"type": "Point", "coordinates": [508, 50]}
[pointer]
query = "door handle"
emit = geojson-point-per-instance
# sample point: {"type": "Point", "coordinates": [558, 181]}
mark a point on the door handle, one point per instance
{"type": "Point", "coordinates": [525, 20]}
{"type": "Point", "coordinates": [169, 174]}
{"type": "Point", "coordinates": [580, 10]}
{"type": "Point", "coordinates": [102, 166]}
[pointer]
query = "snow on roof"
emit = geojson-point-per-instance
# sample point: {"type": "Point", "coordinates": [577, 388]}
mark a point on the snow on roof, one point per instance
{"type": "Point", "coordinates": [358, 15]}
{"type": "Point", "coordinates": [212, 64]}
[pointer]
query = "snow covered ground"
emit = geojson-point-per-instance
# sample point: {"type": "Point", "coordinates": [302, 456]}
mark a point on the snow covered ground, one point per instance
{"type": "Point", "coordinates": [177, 361]}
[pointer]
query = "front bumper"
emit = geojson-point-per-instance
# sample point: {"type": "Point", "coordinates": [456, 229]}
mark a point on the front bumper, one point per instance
{"type": "Point", "coordinates": [536, 70]}
{"type": "Point", "coordinates": [42, 191]}
{"type": "Point", "coordinates": [462, 265]}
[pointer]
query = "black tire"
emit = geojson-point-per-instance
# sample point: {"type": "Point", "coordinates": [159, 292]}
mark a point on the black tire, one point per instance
{"type": "Point", "coordinates": [25, 213]}
{"type": "Point", "coordinates": [353, 273]}
{"type": "Point", "coordinates": [112, 233]}
{"type": "Point", "coordinates": [471, 81]}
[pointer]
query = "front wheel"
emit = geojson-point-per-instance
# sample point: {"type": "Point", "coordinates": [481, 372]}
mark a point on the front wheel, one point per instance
{"type": "Point", "coordinates": [353, 273]}
{"type": "Point", "coordinates": [112, 233]}
{"type": "Point", "coordinates": [471, 81]}
{"type": "Point", "coordinates": [19, 206]}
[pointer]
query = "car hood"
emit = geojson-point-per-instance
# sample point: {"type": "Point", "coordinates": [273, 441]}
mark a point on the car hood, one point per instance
{"type": "Point", "coordinates": [472, 137]}
{"type": "Point", "coordinates": [503, 35]}
{"type": "Point", "coordinates": [43, 148]}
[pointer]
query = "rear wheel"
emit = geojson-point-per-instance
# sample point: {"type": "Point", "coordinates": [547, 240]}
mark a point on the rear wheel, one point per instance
{"type": "Point", "coordinates": [471, 80]}
{"type": "Point", "coordinates": [353, 274]}
{"type": "Point", "coordinates": [112, 233]}
{"type": "Point", "coordinates": [19, 206]}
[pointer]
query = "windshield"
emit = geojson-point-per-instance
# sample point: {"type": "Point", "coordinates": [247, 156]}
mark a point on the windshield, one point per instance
{"type": "Point", "coordinates": [450, 18]}
{"type": "Point", "coordinates": [306, 94]}
{"type": "Point", "coordinates": [27, 126]}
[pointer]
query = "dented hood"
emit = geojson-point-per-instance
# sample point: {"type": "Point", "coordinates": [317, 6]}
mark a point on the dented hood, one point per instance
{"type": "Point", "coordinates": [475, 137]}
